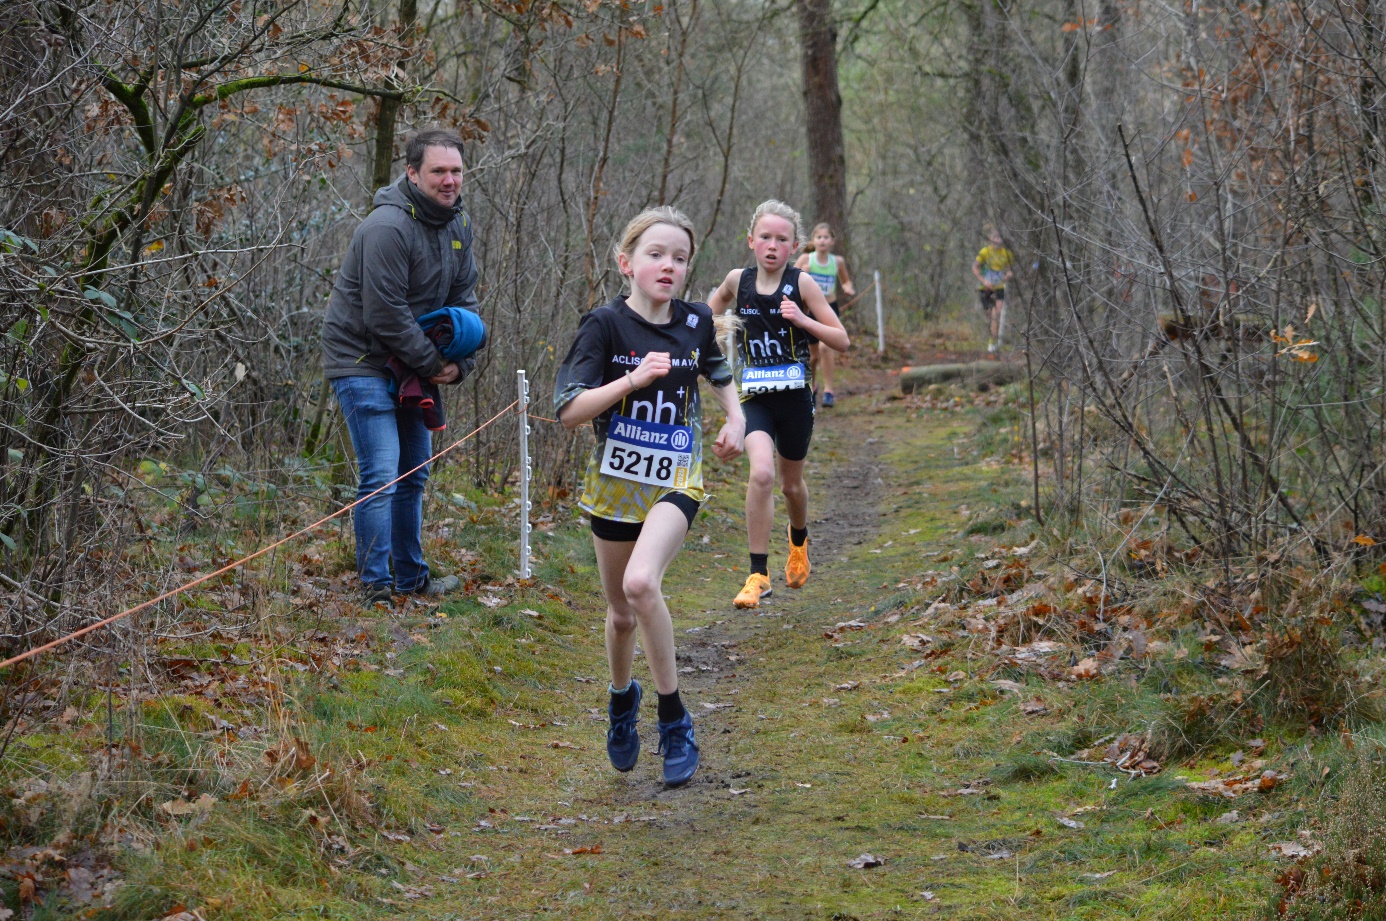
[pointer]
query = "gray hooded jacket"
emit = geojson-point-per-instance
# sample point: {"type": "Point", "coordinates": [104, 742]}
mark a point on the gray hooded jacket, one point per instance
{"type": "Point", "coordinates": [410, 256]}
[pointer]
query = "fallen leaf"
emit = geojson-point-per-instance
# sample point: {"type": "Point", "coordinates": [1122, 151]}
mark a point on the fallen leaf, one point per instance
{"type": "Point", "coordinates": [1294, 850]}
{"type": "Point", "coordinates": [1066, 822]}
{"type": "Point", "coordinates": [1034, 707]}
{"type": "Point", "coordinates": [866, 862]}
{"type": "Point", "coordinates": [1004, 684]}
{"type": "Point", "coordinates": [878, 717]}
{"type": "Point", "coordinates": [1232, 787]}
{"type": "Point", "coordinates": [926, 895]}
{"type": "Point", "coordinates": [562, 744]}
{"type": "Point", "coordinates": [180, 806]}
{"type": "Point", "coordinates": [917, 640]}
{"type": "Point", "coordinates": [847, 686]}
{"type": "Point", "coordinates": [736, 792]}
{"type": "Point", "coordinates": [1085, 670]}
{"type": "Point", "coordinates": [491, 601]}
{"type": "Point", "coordinates": [1097, 875]}
{"type": "Point", "coordinates": [1229, 818]}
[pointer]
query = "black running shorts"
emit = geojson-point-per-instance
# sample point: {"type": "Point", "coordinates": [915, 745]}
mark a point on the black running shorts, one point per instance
{"type": "Point", "coordinates": [990, 297]}
{"type": "Point", "coordinates": [786, 416]}
{"type": "Point", "coordinates": [629, 531]}
{"type": "Point", "coordinates": [813, 340]}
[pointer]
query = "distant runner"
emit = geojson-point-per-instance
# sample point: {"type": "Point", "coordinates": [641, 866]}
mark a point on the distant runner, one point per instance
{"type": "Point", "coordinates": [992, 269]}
{"type": "Point", "coordinates": [632, 371]}
{"type": "Point", "coordinates": [777, 306]}
{"type": "Point", "coordinates": [829, 271]}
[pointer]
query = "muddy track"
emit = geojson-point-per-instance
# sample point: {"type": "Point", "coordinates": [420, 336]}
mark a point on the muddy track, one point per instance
{"type": "Point", "coordinates": [846, 484]}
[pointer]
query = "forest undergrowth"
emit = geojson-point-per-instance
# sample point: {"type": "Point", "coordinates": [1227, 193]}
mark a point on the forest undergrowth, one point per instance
{"type": "Point", "coordinates": [957, 717]}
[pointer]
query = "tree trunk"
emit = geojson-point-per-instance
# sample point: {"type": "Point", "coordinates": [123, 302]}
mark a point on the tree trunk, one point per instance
{"type": "Point", "coordinates": [389, 108]}
{"type": "Point", "coordinates": [823, 104]}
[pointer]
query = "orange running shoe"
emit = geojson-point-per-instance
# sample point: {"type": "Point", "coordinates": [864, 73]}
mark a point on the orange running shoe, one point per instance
{"type": "Point", "coordinates": [756, 588]}
{"type": "Point", "coordinates": [797, 568]}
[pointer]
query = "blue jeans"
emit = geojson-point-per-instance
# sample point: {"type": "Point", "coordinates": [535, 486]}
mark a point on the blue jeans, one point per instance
{"type": "Point", "coordinates": [388, 441]}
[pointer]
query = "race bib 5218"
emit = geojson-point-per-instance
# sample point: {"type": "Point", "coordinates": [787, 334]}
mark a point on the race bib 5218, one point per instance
{"type": "Point", "coordinates": [648, 452]}
{"type": "Point", "coordinates": [773, 377]}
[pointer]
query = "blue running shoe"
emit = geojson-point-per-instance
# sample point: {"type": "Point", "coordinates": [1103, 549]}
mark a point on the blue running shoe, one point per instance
{"type": "Point", "coordinates": [679, 750]}
{"type": "Point", "coordinates": [828, 398]}
{"type": "Point", "coordinates": [622, 741]}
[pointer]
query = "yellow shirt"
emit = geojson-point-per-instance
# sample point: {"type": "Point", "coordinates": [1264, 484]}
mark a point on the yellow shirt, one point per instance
{"type": "Point", "coordinates": [995, 261]}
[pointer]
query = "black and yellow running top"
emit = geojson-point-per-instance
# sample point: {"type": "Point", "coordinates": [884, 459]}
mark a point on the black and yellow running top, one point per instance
{"type": "Point", "coordinates": [612, 340]}
{"type": "Point", "coordinates": [766, 339]}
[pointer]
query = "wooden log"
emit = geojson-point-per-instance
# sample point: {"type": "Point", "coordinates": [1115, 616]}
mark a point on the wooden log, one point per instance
{"type": "Point", "coordinates": [972, 373]}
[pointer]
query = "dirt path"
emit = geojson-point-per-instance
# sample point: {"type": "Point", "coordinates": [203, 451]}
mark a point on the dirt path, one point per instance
{"type": "Point", "coordinates": [736, 841]}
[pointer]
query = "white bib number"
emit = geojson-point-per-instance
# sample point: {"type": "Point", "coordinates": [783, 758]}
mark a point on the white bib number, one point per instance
{"type": "Point", "coordinates": [771, 378]}
{"type": "Point", "coordinates": [648, 452]}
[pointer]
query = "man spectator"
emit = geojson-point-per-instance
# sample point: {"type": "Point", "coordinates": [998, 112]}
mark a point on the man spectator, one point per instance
{"type": "Point", "coordinates": [410, 256]}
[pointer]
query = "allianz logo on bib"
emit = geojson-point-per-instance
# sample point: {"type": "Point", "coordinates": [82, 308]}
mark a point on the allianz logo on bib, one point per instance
{"type": "Point", "coordinates": [776, 373]}
{"type": "Point", "coordinates": [628, 432]}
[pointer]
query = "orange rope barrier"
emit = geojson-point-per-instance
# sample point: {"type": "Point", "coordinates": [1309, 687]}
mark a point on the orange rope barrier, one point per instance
{"type": "Point", "coordinates": [91, 628]}
{"type": "Point", "coordinates": [859, 295]}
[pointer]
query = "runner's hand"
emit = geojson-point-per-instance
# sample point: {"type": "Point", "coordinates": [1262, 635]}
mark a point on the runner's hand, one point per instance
{"type": "Point", "coordinates": [652, 367]}
{"type": "Point", "coordinates": [731, 441]}
{"type": "Point", "coordinates": [449, 374]}
{"type": "Point", "coordinates": [791, 312]}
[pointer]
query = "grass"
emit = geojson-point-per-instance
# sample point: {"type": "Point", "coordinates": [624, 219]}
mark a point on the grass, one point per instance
{"type": "Point", "coordinates": [452, 766]}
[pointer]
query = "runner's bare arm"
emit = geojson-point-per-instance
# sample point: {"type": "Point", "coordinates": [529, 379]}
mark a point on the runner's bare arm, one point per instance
{"type": "Point", "coordinates": [724, 295]}
{"type": "Point", "coordinates": [844, 279]}
{"type": "Point", "coordinates": [820, 319]}
{"type": "Point", "coordinates": [731, 440]}
{"type": "Point", "coordinates": [802, 263]}
{"type": "Point", "coordinates": [590, 404]}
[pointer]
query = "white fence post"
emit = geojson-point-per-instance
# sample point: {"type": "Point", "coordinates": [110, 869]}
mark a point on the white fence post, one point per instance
{"type": "Point", "coordinates": [880, 315]}
{"type": "Point", "coordinates": [525, 472]}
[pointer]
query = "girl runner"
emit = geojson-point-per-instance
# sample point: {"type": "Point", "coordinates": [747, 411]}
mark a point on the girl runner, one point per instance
{"type": "Point", "coordinates": [830, 272]}
{"type": "Point", "coordinates": [777, 306]}
{"type": "Point", "coordinates": [632, 371]}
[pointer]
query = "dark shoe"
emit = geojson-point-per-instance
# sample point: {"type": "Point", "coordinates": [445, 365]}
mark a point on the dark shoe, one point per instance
{"type": "Point", "coordinates": [437, 588]}
{"type": "Point", "coordinates": [679, 750]}
{"type": "Point", "coordinates": [372, 595]}
{"type": "Point", "coordinates": [622, 741]}
{"type": "Point", "coordinates": [828, 398]}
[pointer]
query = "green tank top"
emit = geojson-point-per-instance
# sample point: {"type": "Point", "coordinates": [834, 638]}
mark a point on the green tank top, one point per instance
{"type": "Point", "coordinates": [824, 275]}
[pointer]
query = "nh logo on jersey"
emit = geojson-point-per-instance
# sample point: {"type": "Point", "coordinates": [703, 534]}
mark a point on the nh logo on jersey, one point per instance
{"type": "Point", "coordinates": [693, 320]}
{"type": "Point", "coordinates": [763, 347]}
{"type": "Point", "coordinates": [456, 244]}
{"type": "Point", "coordinates": [788, 290]}
{"type": "Point", "coordinates": [654, 411]}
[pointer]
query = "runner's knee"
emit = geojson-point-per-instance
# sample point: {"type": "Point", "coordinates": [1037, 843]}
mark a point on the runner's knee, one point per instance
{"type": "Point", "coordinates": [794, 490]}
{"type": "Point", "coordinates": [642, 588]}
{"type": "Point", "coordinates": [620, 617]}
{"type": "Point", "coordinates": [762, 477]}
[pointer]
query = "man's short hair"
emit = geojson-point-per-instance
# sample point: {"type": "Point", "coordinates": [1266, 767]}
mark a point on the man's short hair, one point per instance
{"type": "Point", "coordinates": [429, 137]}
